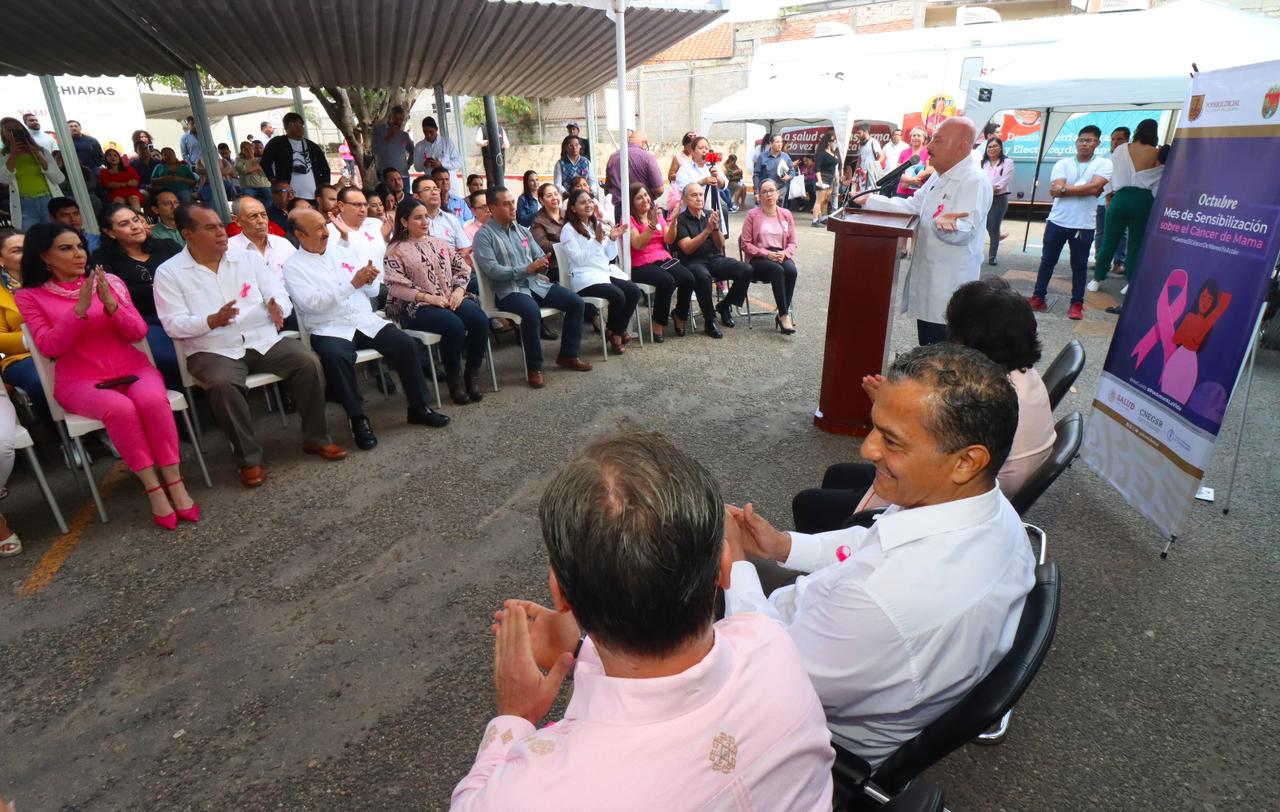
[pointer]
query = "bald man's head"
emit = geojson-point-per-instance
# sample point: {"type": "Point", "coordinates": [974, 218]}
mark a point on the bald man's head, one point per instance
{"type": "Point", "coordinates": [951, 143]}
{"type": "Point", "coordinates": [252, 218]}
{"type": "Point", "coordinates": [310, 228]}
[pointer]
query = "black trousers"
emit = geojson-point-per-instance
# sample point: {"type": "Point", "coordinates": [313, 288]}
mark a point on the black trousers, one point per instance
{"type": "Point", "coordinates": [676, 280]}
{"type": "Point", "coordinates": [622, 296]}
{"type": "Point", "coordinates": [780, 275]}
{"type": "Point", "coordinates": [831, 507]}
{"type": "Point", "coordinates": [930, 332]}
{"type": "Point", "coordinates": [338, 357]}
{"type": "Point", "coordinates": [737, 273]}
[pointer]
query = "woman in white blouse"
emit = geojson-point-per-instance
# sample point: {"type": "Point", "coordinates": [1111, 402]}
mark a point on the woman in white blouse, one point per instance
{"type": "Point", "coordinates": [709, 175]}
{"type": "Point", "coordinates": [589, 249]}
{"type": "Point", "coordinates": [1135, 174]}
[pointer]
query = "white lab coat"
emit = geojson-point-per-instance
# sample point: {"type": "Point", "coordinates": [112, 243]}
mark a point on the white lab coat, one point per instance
{"type": "Point", "coordinates": [943, 260]}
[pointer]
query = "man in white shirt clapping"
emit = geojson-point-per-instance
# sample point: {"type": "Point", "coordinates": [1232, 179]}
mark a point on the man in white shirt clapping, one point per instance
{"type": "Point", "coordinates": [898, 621]}
{"type": "Point", "coordinates": [327, 286]}
{"type": "Point", "coordinates": [228, 307]}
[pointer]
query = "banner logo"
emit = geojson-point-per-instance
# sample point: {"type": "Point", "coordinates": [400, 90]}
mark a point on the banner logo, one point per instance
{"type": "Point", "coordinates": [1196, 107]}
{"type": "Point", "coordinates": [1270, 101]}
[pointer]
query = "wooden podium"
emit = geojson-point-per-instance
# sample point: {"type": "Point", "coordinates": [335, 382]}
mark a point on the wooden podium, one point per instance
{"type": "Point", "coordinates": [859, 314]}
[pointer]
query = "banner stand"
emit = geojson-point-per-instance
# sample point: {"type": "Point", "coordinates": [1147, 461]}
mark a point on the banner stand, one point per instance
{"type": "Point", "coordinates": [1244, 417]}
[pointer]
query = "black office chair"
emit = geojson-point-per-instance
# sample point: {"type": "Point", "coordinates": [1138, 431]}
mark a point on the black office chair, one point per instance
{"type": "Point", "coordinates": [1070, 431]}
{"type": "Point", "coordinates": [991, 701]}
{"type": "Point", "coordinates": [1063, 372]}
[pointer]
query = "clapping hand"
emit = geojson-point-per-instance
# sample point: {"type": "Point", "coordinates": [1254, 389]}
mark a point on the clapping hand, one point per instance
{"type": "Point", "coordinates": [521, 687]}
{"type": "Point", "coordinates": [388, 224]}
{"type": "Point", "coordinates": [551, 633]}
{"type": "Point", "coordinates": [363, 276]}
{"type": "Point", "coordinates": [617, 231]}
{"type": "Point", "coordinates": [713, 220]}
{"type": "Point", "coordinates": [85, 300]}
{"type": "Point", "coordinates": [760, 539]}
{"type": "Point", "coordinates": [871, 385]}
{"type": "Point", "coordinates": [343, 229]}
{"type": "Point", "coordinates": [105, 295]}
{"type": "Point", "coordinates": [538, 265]}
{"type": "Point", "coordinates": [275, 313]}
{"type": "Point", "coordinates": [225, 315]}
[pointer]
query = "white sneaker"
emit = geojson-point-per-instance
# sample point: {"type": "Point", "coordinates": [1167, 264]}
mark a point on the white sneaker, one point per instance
{"type": "Point", "coordinates": [1124, 290]}
{"type": "Point", "coordinates": [1093, 286]}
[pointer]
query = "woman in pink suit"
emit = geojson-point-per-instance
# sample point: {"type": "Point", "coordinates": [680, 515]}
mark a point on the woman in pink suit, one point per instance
{"type": "Point", "coordinates": [768, 243]}
{"type": "Point", "coordinates": [89, 324]}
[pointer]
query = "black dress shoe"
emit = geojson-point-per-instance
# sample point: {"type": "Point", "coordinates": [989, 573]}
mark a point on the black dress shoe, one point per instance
{"type": "Point", "coordinates": [426, 416]}
{"type": "Point", "coordinates": [547, 334]}
{"type": "Point", "coordinates": [1115, 310]}
{"type": "Point", "coordinates": [363, 432]}
{"type": "Point", "coordinates": [657, 338]}
{"type": "Point", "coordinates": [712, 330]}
{"type": "Point", "coordinates": [677, 323]}
{"type": "Point", "coordinates": [726, 314]}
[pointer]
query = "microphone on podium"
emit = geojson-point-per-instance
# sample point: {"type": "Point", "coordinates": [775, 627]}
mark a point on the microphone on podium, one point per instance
{"type": "Point", "coordinates": [889, 178]}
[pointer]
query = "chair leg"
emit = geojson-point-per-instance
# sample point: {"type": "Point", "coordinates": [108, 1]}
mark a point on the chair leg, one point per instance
{"type": "Point", "coordinates": [604, 333]}
{"type": "Point", "coordinates": [93, 486]}
{"type": "Point", "coordinates": [996, 734]}
{"type": "Point", "coordinates": [275, 387]}
{"type": "Point", "coordinates": [435, 382]}
{"type": "Point", "coordinates": [191, 432]}
{"type": "Point", "coordinates": [44, 488]}
{"type": "Point", "coordinates": [493, 371]}
{"type": "Point", "coordinates": [191, 401]}
{"type": "Point", "coordinates": [748, 304]}
{"type": "Point", "coordinates": [382, 380]}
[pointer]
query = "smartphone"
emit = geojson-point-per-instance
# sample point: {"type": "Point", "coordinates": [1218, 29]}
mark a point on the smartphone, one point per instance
{"type": "Point", "coordinates": [669, 264]}
{"type": "Point", "coordinates": [112, 383]}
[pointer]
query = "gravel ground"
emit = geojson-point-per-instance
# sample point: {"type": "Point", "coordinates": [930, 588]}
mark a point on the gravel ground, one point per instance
{"type": "Point", "coordinates": [322, 642]}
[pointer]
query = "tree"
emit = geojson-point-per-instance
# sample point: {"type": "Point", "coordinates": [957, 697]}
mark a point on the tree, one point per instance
{"type": "Point", "coordinates": [355, 111]}
{"type": "Point", "coordinates": [514, 112]}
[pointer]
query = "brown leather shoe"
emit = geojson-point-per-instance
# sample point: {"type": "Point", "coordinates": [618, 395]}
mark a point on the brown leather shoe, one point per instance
{"type": "Point", "coordinates": [576, 364]}
{"type": "Point", "coordinates": [536, 380]}
{"type": "Point", "coordinates": [330, 452]}
{"type": "Point", "coordinates": [252, 476]}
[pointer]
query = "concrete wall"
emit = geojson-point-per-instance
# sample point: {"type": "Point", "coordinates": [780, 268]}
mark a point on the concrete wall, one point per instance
{"type": "Point", "coordinates": [543, 157]}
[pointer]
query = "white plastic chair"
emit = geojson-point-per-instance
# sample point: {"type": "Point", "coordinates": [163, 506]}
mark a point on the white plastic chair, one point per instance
{"type": "Point", "coordinates": [648, 290]}
{"type": "Point", "coordinates": [602, 304]}
{"type": "Point", "coordinates": [429, 340]}
{"type": "Point", "coordinates": [365, 356]}
{"type": "Point", "coordinates": [258, 380]}
{"type": "Point", "coordinates": [22, 441]}
{"type": "Point", "coordinates": [76, 426]}
{"type": "Point", "coordinates": [490, 306]}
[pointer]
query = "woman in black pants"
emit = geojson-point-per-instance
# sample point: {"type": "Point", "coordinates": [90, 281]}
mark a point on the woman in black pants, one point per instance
{"type": "Point", "coordinates": [768, 241]}
{"type": "Point", "coordinates": [588, 249]}
{"type": "Point", "coordinates": [651, 264]}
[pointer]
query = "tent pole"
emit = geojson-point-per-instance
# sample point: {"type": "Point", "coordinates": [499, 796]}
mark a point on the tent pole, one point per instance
{"type": "Point", "coordinates": [460, 140]}
{"type": "Point", "coordinates": [441, 119]}
{"type": "Point", "coordinates": [297, 103]}
{"type": "Point", "coordinates": [208, 149]}
{"type": "Point", "coordinates": [1244, 412]}
{"type": "Point", "coordinates": [589, 110]}
{"type": "Point", "coordinates": [235, 139]}
{"type": "Point", "coordinates": [1035, 179]}
{"type": "Point", "coordinates": [624, 162]}
{"type": "Point", "coordinates": [70, 160]}
{"type": "Point", "coordinates": [493, 164]}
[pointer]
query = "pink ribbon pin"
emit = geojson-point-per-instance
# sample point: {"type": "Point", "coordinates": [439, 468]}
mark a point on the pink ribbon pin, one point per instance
{"type": "Point", "coordinates": [1167, 314]}
{"type": "Point", "coordinates": [350, 268]}
{"type": "Point", "coordinates": [938, 211]}
{"type": "Point", "coordinates": [368, 236]}
{"type": "Point", "coordinates": [244, 291]}
{"type": "Point", "coordinates": [524, 242]}
{"type": "Point", "coordinates": [843, 552]}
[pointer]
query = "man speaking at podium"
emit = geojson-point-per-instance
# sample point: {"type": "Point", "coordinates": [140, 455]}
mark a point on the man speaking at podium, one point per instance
{"type": "Point", "coordinates": [952, 206]}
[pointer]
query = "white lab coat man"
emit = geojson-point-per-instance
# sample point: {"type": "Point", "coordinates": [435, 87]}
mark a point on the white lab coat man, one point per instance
{"type": "Point", "coordinates": [952, 206]}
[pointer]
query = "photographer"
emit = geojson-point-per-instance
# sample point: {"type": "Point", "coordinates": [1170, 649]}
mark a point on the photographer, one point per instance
{"type": "Point", "coordinates": [704, 169]}
{"type": "Point", "coordinates": [294, 159]}
{"type": "Point", "coordinates": [31, 174]}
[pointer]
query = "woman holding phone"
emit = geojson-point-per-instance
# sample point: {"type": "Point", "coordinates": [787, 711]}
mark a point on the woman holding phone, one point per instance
{"type": "Point", "coordinates": [31, 174]}
{"type": "Point", "coordinates": [88, 323]}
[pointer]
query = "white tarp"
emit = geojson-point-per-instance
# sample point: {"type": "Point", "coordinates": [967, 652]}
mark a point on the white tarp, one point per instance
{"type": "Point", "coordinates": [777, 103]}
{"type": "Point", "coordinates": [1142, 60]}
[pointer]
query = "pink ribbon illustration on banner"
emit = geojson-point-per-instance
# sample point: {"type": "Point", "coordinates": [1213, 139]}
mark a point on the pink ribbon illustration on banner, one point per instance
{"type": "Point", "coordinates": [1167, 314]}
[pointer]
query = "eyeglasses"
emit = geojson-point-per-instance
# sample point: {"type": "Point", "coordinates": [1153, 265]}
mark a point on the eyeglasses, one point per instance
{"type": "Point", "coordinates": [354, 205]}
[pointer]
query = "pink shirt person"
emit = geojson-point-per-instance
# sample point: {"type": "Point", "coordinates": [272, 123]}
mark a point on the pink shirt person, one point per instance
{"type": "Point", "coordinates": [740, 729]}
{"type": "Point", "coordinates": [762, 233]}
{"type": "Point", "coordinates": [138, 417]}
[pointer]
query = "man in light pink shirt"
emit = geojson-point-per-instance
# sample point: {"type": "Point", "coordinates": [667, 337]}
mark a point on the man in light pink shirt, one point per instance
{"type": "Point", "coordinates": [670, 710]}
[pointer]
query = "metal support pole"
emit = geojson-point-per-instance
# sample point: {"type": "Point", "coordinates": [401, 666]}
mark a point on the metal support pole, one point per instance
{"type": "Point", "coordinates": [1244, 414]}
{"type": "Point", "coordinates": [1035, 179]}
{"type": "Point", "coordinates": [442, 116]}
{"type": "Point", "coordinates": [494, 167]}
{"type": "Point", "coordinates": [542, 133]}
{"type": "Point", "coordinates": [461, 140]}
{"type": "Point", "coordinates": [208, 148]}
{"type": "Point", "coordinates": [624, 163]}
{"type": "Point", "coordinates": [590, 112]}
{"type": "Point", "coordinates": [235, 139]}
{"type": "Point", "coordinates": [297, 104]}
{"type": "Point", "coordinates": [70, 160]}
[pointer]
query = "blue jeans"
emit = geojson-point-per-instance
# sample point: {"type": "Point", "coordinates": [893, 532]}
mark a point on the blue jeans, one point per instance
{"type": "Point", "coordinates": [263, 193]}
{"type": "Point", "coordinates": [22, 374]}
{"type": "Point", "coordinates": [1055, 236]}
{"type": "Point", "coordinates": [1098, 234]}
{"type": "Point", "coordinates": [166, 356]}
{"type": "Point", "coordinates": [467, 327]}
{"type": "Point", "coordinates": [527, 307]}
{"type": "Point", "coordinates": [35, 210]}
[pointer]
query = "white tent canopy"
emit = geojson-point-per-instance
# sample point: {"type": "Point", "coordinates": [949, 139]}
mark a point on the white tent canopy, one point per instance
{"type": "Point", "coordinates": [1143, 61]}
{"type": "Point", "coordinates": [776, 103]}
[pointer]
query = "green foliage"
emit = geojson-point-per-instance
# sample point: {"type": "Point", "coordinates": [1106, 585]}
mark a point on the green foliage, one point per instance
{"type": "Point", "coordinates": [516, 113]}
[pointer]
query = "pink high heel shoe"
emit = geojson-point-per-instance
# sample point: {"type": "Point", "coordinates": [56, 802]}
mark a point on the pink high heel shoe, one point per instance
{"type": "Point", "coordinates": [169, 521]}
{"type": "Point", "coordinates": [191, 514]}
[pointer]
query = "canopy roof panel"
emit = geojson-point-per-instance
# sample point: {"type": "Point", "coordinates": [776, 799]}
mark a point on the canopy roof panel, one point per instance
{"type": "Point", "coordinates": [471, 47]}
{"type": "Point", "coordinates": [178, 105]}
